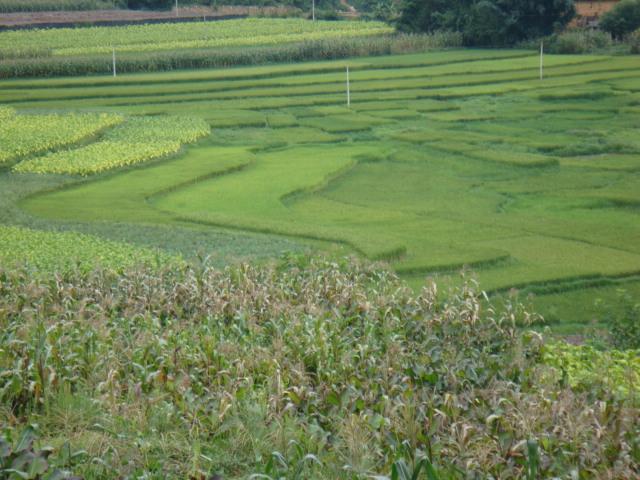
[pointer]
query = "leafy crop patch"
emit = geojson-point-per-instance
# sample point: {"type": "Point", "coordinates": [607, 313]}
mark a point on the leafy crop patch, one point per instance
{"type": "Point", "coordinates": [138, 140]}
{"type": "Point", "coordinates": [24, 135]}
{"type": "Point", "coordinates": [48, 252]}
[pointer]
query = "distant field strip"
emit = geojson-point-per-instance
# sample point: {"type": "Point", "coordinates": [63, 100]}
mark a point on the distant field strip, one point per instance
{"type": "Point", "coordinates": [278, 97]}
{"type": "Point", "coordinates": [177, 36]}
{"type": "Point", "coordinates": [9, 6]}
{"type": "Point", "coordinates": [443, 160]}
{"type": "Point", "coordinates": [447, 57]}
{"type": "Point", "coordinates": [410, 78]}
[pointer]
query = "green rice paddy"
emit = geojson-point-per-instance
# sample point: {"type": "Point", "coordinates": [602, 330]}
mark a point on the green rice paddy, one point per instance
{"type": "Point", "coordinates": [443, 160]}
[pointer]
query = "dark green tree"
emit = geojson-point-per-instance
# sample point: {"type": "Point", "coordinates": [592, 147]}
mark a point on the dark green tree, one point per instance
{"type": "Point", "coordinates": [623, 19]}
{"type": "Point", "coordinates": [150, 4]}
{"type": "Point", "coordinates": [488, 22]}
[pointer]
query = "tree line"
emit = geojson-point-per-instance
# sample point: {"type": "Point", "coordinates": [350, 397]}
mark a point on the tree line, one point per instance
{"type": "Point", "coordinates": [480, 22]}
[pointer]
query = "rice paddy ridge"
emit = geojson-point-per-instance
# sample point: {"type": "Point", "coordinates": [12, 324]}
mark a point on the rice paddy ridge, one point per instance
{"type": "Point", "coordinates": [448, 57]}
{"type": "Point", "coordinates": [366, 91]}
{"type": "Point", "coordinates": [462, 63]}
{"type": "Point", "coordinates": [532, 183]}
{"type": "Point", "coordinates": [364, 81]}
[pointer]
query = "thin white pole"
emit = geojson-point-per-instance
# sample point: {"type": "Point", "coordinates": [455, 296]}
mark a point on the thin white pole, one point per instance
{"type": "Point", "coordinates": [313, 10]}
{"type": "Point", "coordinates": [541, 60]}
{"type": "Point", "coordinates": [114, 61]}
{"type": "Point", "coordinates": [176, 8]}
{"type": "Point", "coordinates": [348, 89]}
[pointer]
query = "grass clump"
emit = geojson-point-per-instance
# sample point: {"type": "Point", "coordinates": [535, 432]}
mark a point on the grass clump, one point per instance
{"type": "Point", "coordinates": [579, 41]}
{"type": "Point", "coordinates": [332, 369]}
{"type": "Point", "coordinates": [634, 40]}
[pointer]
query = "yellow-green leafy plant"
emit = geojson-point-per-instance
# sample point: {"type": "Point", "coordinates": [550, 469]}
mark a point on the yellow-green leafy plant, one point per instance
{"type": "Point", "coordinates": [24, 135]}
{"type": "Point", "coordinates": [138, 140]}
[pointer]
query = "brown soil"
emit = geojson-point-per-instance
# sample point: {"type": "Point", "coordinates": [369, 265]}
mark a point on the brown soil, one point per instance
{"type": "Point", "coordinates": [589, 12]}
{"type": "Point", "coordinates": [36, 19]}
{"type": "Point", "coordinates": [349, 10]}
{"type": "Point", "coordinates": [593, 9]}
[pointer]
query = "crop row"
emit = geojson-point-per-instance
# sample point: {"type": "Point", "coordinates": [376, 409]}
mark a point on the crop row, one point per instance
{"type": "Point", "coordinates": [386, 63]}
{"type": "Point", "coordinates": [66, 251]}
{"type": "Point", "coordinates": [138, 140]}
{"type": "Point", "coordinates": [10, 6]}
{"type": "Point", "coordinates": [172, 36]}
{"type": "Point", "coordinates": [279, 94]}
{"type": "Point", "coordinates": [22, 135]}
{"type": "Point", "coordinates": [419, 75]}
{"type": "Point", "coordinates": [300, 51]}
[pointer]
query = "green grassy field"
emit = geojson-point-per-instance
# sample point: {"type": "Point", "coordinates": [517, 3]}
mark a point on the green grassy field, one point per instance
{"type": "Point", "coordinates": [444, 160]}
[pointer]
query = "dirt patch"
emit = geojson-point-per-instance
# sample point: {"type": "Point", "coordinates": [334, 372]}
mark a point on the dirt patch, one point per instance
{"type": "Point", "coordinates": [349, 10]}
{"type": "Point", "coordinates": [120, 17]}
{"type": "Point", "coordinates": [588, 13]}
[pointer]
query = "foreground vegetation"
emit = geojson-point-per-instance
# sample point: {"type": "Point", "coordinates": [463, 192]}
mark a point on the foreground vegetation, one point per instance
{"type": "Point", "coordinates": [305, 369]}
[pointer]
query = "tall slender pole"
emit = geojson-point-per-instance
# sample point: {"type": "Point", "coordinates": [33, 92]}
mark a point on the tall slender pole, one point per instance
{"type": "Point", "coordinates": [348, 89]}
{"type": "Point", "coordinates": [541, 60]}
{"type": "Point", "coordinates": [313, 10]}
{"type": "Point", "coordinates": [114, 61]}
{"type": "Point", "coordinates": [176, 8]}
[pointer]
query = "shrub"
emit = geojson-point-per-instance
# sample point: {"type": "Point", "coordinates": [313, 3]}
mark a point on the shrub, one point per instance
{"type": "Point", "coordinates": [579, 41]}
{"type": "Point", "coordinates": [150, 4]}
{"type": "Point", "coordinates": [634, 42]}
{"type": "Point", "coordinates": [623, 19]}
{"type": "Point", "coordinates": [624, 325]}
{"type": "Point", "coordinates": [487, 22]}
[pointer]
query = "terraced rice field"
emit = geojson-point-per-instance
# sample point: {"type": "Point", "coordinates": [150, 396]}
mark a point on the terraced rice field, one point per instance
{"type": "Point", "coordinates": [442, 160]}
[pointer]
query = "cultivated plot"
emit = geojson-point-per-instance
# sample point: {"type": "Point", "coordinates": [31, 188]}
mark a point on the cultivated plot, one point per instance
{"type": "Point", "coordinates": [442, 160]}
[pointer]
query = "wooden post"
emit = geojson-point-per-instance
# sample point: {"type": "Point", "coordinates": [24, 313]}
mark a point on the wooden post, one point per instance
{"type": "Point", "coordinates": [348, 89]}
{"type": "Point", "coordinates": [541, 60]}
